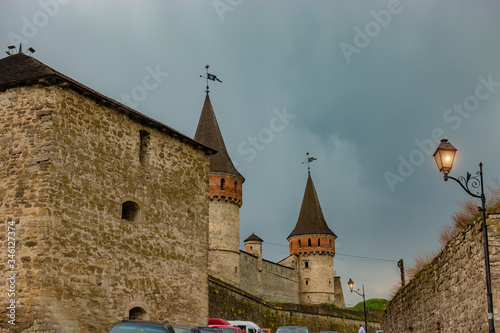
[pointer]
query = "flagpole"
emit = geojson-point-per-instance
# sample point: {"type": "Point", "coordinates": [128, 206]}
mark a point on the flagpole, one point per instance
{"type": "Point", "coordinates": [208, 90]}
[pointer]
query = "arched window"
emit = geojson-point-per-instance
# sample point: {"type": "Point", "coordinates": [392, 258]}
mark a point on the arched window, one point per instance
{"type": "Point", "coordinates": [138, 313]}
{"type": "Point", "coordinates": [319, 243]}
{"type": "Point", "coordinates": [131, 211]}
{"type": "Point", "coordinates": [223, 184]}
{"type": "Point", "coordinates": [309, 242]}
{"type": "Point", "coordinates": [300, 245]}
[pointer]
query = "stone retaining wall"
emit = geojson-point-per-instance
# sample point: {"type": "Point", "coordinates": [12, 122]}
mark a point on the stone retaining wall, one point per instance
{"type": "Point", "coordinates": [230, 303]}
{"type": "Point", "coordinates": [449, 294]}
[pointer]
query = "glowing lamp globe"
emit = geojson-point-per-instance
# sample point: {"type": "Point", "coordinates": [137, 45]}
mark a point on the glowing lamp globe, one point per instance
{"type": "Point", "coordinates": [444, 156]}
{"type": "Point", "coordinates": [350, 284]}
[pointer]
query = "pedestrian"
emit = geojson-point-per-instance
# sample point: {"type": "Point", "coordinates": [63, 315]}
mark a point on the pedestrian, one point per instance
{"type": "Point", "coordinates": [361, 329]}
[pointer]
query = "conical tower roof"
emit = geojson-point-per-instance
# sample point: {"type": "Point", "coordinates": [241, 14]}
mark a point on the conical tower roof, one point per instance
{"type": "Point", "coordinates": [208, 133]}
{"type": "Point", "coordinates": [253, 237]}
{"type": "Point", "coordinates": [311, 220]}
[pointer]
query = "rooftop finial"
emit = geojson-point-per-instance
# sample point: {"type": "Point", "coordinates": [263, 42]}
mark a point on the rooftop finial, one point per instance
{"type": "Point", "coordinates": [309, 160]}
{"type": "Point", "coordinates": [209, 77]}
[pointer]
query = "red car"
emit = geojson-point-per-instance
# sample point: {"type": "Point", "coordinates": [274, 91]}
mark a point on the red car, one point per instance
{"type": "Point", "coordinates": [217, 322]}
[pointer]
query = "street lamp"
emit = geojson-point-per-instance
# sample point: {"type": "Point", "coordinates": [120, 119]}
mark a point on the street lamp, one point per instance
{"type": "Point", "coordinates": [350, 283]}
{"type": "Point", "coordinates": [444, 156]}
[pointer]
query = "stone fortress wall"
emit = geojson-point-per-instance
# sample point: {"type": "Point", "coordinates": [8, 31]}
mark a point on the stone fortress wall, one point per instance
{"type": "Point", "coordinates": [268, 280]}
{"type": "Point", "coordinates": [449, 294]}
{"type": "Point", "coordinates": [111, 214]}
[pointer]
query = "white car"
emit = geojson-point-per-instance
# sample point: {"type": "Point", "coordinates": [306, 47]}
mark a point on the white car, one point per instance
{"type": "Point", "coordinates": [247, 326]}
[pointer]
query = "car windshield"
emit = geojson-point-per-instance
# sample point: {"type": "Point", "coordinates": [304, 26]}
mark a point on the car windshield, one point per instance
{"type": "Point", "coordinates": [208, 330]}
{"type": "Point", "coordinates": [179, 329]}
{"type": "Point", "coordinates": [227, 330]}
{"type": "Point", "coordinates": [131, 327]}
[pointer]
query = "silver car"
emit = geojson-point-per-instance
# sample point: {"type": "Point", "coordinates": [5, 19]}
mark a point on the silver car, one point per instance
{"type": "Point", "coordinates": [292, 329]}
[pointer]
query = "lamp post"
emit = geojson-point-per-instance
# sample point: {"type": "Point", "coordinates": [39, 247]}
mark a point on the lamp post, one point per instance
{"type": "Point", "coordinates": [350, 283]}
{"type": "Point", "coordinates": [444, 156]}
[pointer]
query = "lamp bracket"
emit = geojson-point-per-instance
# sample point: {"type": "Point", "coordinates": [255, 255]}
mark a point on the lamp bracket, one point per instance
{"type": "Point", "coordinates": [472, 181]}
{"type": "Point", "coordinates": [362, 295]}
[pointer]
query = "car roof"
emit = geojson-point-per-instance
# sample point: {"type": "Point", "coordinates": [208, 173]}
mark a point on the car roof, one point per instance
{"type": "Point", "coordinates": [208, 328]}
{"type": "Point", "coordinates": [242, 322]}
{"type": "Point", "coordinates": [145, 322]}
{"type": "Point", "coordinates": [292, 328]}
{"type": "Point", "coordinates": [139, 323]}
{"type": "Point", "coordinates": [217, 320]}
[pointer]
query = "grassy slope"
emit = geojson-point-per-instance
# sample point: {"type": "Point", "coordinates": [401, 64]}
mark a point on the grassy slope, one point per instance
{"type": "Point", "coordinates": [373, 303]}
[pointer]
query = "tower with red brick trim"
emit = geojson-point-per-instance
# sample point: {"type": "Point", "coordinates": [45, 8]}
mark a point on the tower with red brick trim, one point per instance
{"type": "Point", "coordinates": [225, 192]}
{"type": "Point", "coordinates": [313, 244]}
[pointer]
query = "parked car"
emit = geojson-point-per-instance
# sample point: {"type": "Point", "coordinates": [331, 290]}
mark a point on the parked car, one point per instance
{"type": "Point", "coordinates": [247, 326]}
{"type": "Point", "coordinates": [292, 329]}
{"type": "Point", "coordinates": [183, 329]}
{"type": "Point", "coordinates": [217, 322]}
{"type": "Point", "coordinates": [127, 325]}
{"type": "Point", "coordinates": [229, 329]}
{"type": "Point", "coordinates": [209, 330]}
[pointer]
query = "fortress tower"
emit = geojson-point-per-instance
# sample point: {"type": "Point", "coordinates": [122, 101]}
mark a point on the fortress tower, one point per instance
{"type": "Point", "coordinates": [313, 245]}
{"type": "Point", "coordinates": [225, 192]}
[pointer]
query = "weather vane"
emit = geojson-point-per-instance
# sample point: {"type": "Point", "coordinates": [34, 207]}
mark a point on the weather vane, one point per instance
{"type": "Point", "coordinates": [309, 160]}
{"type": "Point", "coordinates": [209, 77]}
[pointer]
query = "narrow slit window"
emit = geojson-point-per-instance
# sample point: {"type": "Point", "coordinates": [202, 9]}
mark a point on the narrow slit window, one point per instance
{"type": "Point", "coordinates": [319, 242]}
{"type": "Point", "coordinates": [235, 187]}
{"type": "Point", "coordinates": [309, 242]}
{"type": "Point", "coordinates": [144, 146]}
{"type": "Point", "coordinates": [223, 184]}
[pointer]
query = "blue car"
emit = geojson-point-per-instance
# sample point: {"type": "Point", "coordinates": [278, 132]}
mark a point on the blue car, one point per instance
{"type": "Point", "coordinates": [129, 326]}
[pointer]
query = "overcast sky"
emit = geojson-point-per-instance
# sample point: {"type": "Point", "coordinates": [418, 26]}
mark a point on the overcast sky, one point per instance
{"type": "Point", "coordinates": [367, 87]}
